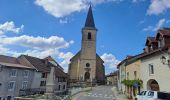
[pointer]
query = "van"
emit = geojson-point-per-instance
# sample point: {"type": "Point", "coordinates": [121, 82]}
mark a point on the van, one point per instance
{"type": "Point", "coordinates": [153, 95]}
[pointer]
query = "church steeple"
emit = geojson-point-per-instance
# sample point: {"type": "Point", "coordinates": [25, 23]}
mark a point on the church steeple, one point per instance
{"type": "Point", "coordinates": [89, 20]}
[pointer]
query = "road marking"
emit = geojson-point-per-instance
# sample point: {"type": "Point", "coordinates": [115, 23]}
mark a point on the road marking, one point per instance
{"type": "Point", "coordinates": [100, 96]}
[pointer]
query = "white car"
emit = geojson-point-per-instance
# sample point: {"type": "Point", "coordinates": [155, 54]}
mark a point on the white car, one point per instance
{"type": "Point", "coordinates": [153, 95]}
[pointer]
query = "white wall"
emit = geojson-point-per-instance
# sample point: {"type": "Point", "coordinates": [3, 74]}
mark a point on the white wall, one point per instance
{"type": "Point", "coordinates": [161, 72]}
{"type": "Point", "coordinates": [5, 78]}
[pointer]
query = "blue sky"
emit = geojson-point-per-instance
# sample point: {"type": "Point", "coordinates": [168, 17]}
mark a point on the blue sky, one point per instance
{"type": "Point", "coordinates": [53, 27]}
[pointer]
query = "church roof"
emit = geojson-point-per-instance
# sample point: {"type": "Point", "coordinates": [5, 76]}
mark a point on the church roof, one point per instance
{"type": "Point", "coordinates": [90, 20]}
{"type": "Point", "coordinates": [78, 54]}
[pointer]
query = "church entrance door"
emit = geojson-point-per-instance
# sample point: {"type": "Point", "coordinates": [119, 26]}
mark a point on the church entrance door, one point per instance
{"type": "Point", "coordinates": [86, 76]}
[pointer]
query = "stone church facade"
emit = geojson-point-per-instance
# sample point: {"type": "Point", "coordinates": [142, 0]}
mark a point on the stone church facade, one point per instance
{"type": "Point", "coordinates": [86, 65]}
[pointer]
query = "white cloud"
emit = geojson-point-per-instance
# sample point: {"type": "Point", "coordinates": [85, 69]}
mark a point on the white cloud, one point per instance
{"type": "Point", "coordinates": [36, 42]}
{"type": "Point", "coordinates": [159, 25]}
{"type": "Point", "coordinates": [158, 6]}
{"type": "Point", "coordinates": [110, 61]}
{"type": "Point", "coordinates": [61, 8]}
{"type": "Point", "coordinates": [36, 46]}
{"type": "Point", "coordinates": [3, 50]}
{"type": "Point", "coordinates": [135, 1]}
{"type": "Point", "coordinates": [10, 27]}
{"type": "Point", "coordinates": [66, 59]}
{"type": "Point", "coordinates": [63, 20]}
{"type": "Point", "coordinates": [34, 53]}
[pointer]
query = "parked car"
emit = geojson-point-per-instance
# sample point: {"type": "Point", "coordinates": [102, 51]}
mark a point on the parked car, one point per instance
{"type": "Point", "coordinates": [153, 95]}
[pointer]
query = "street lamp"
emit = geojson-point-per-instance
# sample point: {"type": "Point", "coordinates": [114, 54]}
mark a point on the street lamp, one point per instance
{"type": "Point", "coordinates": [165, 61]}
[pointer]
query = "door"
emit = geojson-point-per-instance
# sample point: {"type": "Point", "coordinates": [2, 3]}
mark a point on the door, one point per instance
{"type": "Point", "coordinates": [86, 76]}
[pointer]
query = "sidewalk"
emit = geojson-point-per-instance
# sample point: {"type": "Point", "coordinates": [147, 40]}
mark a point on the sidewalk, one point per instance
{"type": "Point", "coordinates": [117, 95]}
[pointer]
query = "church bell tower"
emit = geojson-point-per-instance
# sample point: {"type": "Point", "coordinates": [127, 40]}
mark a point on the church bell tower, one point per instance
{"type": "Point", "coordinates": [88, 49]}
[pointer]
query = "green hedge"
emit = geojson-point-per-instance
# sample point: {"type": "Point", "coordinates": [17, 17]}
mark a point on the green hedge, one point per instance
{"type": "Point", "coordinates": [131, 82]}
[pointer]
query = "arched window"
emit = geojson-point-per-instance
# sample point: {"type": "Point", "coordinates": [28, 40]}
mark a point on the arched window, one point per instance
{"type": "Point", "coordinates": [89, 36]}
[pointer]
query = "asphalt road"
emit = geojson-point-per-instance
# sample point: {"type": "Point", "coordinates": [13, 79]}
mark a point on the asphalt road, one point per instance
{"type": "Point", "coordinates": [98, 93]}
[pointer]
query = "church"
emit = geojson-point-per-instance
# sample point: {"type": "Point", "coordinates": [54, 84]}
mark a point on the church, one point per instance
{"type": "Point", "coordinates": [86, 65]}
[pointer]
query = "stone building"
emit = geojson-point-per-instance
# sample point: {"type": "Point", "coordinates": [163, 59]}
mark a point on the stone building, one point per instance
{"type": "Point", "coordinates": [26, 75]}
{"type": "Point", "coordinates": [112, 78]}
{"type": "Point", "coordinates": [86, 65]}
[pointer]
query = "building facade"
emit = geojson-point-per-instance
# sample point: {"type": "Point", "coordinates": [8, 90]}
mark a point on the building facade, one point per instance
{"type": "Point", "coordinates": [133, 73]}
{"type": "Point", "coordinates": [112, 78]}
{"type": "Point", "coordinates": [121, 75]}
{"type": "Point", "coordinates": [28, 75]}
{"type": "Point", "coordinates": [150, 67]}
{"type": "Point", "coordinates": [155, 65]}
{"type": "Point", "coordinates": [86, 65]}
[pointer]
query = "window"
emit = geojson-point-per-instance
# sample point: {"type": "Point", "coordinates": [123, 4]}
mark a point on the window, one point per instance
{"type": "Point", "coordinates": [13, 73]}
{"type": "Point", "coordinates": [89, 36]}
{"type": "Point", "coordinates": [43, 83]}
{"type": "Point", "coordinates": [160, 42]}
{"type": "Point", "coordinates": [24, 84]}
{"type": "Point", "coordinates": [87, 65]}
{"type": "Point", "coordinates": [26, 73]}
{"type": "Point", "coordinates": [151, 69]}
{"type": "Point", "coordinates": [135, 73]}
{"type": "Point", "coordinates": [64, 87]}
{"type": "Point", "coordinates": [151, 47]}
{"type": "Point", "coordinates": [11, 86]}
{"type": "Point", "coordinates": [127, 75]}
{"type": "Point", "coordinates": [59, 87]}
{"type": "Point", "coordinates": [44, 75]}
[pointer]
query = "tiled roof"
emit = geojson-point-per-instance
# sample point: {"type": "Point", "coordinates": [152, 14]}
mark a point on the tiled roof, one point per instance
{"type": "Point", "coordinates": [112, 74]}
{"type": "Point", "coordinates": [38, 63]}
{"type": "Point", "coordinates": [163, 32]}
{"type": "Point", "coordinates": [12, 62]}
{"type": "Point", "coordinates": [156, 51]}
{"type": "Point", "coordinates": [15, 65]}
{"type": "Point", "coordinates": [7, 59]}
{"type": "Point", "coordinates": [151, 38]}
{"type": "Point", "coordinates": [60, 73]}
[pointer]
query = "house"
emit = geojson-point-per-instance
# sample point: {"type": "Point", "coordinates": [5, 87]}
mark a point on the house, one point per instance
{"type": "Point", "coordinates": [26, 75]}
{"type": "Point", "coordinates": [155, 64]}
{"type": "Point", "coordinates": [112, 78]}
{"type": "Point", "coordinates": [133, 76]}
{"type": "Point", "coordinates": [149, 69]}
{"type": "Point", "coordinates": [121, 75]}
{"type": "Point", "coordinates": [43, 67]}
{"type": "Point", "coordinates": [13, 77]}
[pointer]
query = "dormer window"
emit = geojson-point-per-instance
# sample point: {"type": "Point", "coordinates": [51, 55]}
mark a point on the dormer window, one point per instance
{"type": "Point", "coordinates": [159, 43]}
{"type": "Point", "coordinates": [151, 47]}
{"type": "Point", "coordinates": [89, 36]}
